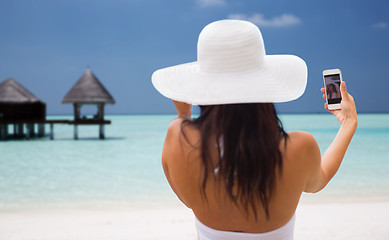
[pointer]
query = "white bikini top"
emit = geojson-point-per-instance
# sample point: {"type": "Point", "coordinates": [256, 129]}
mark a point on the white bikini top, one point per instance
{"type": "Point", "coordinates": [283, 233]}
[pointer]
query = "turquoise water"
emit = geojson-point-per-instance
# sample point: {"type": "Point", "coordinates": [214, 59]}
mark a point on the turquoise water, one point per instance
{"type": "Point", "coordinates": [125, 168]}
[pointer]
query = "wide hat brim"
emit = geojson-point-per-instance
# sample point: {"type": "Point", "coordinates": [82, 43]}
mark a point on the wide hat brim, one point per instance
{"type": "Point", "coordinates": [281, 78]}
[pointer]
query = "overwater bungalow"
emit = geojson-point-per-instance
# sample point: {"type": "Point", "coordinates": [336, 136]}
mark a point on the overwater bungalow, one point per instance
{"type": "Point", "coordinates": [20, 108]}
{"type": "Point", "coordinates": [88, 90]}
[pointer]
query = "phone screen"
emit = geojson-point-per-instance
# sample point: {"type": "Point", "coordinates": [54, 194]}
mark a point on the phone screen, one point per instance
{"type": "Point", "coordinates": [333, 88]}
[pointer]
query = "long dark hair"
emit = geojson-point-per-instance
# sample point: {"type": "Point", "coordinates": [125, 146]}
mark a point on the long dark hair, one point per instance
{"type": "Point", "coordinates": [248, 140]}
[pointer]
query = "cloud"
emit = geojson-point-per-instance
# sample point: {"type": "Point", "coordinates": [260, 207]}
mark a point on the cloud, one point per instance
{"type": "Point", "coordinates": [380, 25]}
{"type": "Point", "coordinates": [285, 20]}
{"type": "Point", "coordinates": [210, 3]}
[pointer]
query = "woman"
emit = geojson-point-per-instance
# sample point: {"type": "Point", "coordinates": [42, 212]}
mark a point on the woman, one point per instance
{"type": "Point", "coordinates": [234, 165]}
{"type": "Point", "coordinates": [332, 93]}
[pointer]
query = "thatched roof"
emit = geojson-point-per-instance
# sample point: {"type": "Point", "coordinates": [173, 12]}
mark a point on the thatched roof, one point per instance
{"type": "Point", "coordinates": [88, 89]}
{"type": "Point", "coordinates": [12, 92]}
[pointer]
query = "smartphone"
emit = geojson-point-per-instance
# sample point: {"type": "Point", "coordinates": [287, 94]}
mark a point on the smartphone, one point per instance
{"type": "Point", "coordinates": [332, 79]}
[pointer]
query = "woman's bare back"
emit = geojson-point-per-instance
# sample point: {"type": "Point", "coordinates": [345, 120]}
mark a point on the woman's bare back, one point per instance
{"type": "Point", "coordinates": [184, 170]}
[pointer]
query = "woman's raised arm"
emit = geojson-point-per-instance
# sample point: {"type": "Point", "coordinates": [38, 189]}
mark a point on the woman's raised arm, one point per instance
{"type": "Point", "coordinates": [183, 109]}
{"type": "Point", "coordinates": [333, 156]}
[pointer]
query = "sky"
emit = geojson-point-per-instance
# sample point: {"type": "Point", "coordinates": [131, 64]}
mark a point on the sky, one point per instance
{"type": "Point", "coordinates": [47, 45]}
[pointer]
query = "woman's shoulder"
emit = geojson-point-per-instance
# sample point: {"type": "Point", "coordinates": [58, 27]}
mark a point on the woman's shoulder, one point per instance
{"type": "Point", "coordinates": [179, 128]}
{"type": "Point", "coordinates": [302, 145]}
{"type": "Point", "coordinates": [180, 138]}
{"type": "Point", "coordinates": [174, 127]}
{"type": "Point", "coordinates": [301, 138]}
{"type": "Point", "coordinates": [173, 134]}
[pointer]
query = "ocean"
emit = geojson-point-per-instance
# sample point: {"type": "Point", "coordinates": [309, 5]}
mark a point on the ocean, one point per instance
{"type": "Point", "coordinates": [125, 168]}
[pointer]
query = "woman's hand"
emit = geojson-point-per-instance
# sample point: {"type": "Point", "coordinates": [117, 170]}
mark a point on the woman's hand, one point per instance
{"type": "Point", "coordinates": [183, 109]}
{"type": "Point", "coordinates": [348, 112]}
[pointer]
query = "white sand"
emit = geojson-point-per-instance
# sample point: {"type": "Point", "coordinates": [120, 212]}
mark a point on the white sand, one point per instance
{"type": "Point", "coordinates": [333, 221]}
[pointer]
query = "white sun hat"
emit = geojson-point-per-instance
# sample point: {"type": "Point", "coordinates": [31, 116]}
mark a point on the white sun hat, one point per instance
{"type": "Point", "coordinates": [232, 67]}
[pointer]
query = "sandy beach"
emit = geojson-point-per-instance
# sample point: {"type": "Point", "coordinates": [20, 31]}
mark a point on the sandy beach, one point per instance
{"type": "Point", "coordinates": [357, 221]}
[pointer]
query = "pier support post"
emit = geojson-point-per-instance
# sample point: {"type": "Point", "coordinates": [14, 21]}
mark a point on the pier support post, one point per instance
{"type": "Point", "coordinates": [28, 131]}
{"type": "Point", "coordinates": [3, 131]}
{"type": "Point", "coordinates": [41, 129]}
{"type": "Point", "coordinates": [20, 130]}
{"type": "Point", "coordinates": [6, 131]}
{"type": "Point", "coordinates": [51, 131]}
{"type": "Point", "coordinates": [16, 130]}
{"type": "Point", "coordinates": [101, 131]}
{"type": "Point", "coordinates": [32, 129]}
{"type": "Point", "coordinates": [75, 132]}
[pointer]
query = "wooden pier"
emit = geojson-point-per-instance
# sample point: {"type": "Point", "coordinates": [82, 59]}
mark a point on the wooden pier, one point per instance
{"type": "Point", "coordinates": [22, 110]}
{"type": "Point", "coordinates": [26, 128]}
